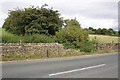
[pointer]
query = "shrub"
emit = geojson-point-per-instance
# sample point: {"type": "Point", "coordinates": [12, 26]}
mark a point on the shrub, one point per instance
{"type": "Point", "coordinates": [34, 38]}
{"type": "Point", "coordinates": [88, 47]}
{"type": "Point", "coordinates": [72, 37]}
{"type": "Point", "coordinates": [38, 38]}
{"type": "Point", "coordinates": [9, 37]}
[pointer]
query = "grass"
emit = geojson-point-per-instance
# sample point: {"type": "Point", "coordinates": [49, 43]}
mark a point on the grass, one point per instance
{"type": "Point", "coordinates": [104, 39]}
{"type": "Point", "coordinates": [12, 57]}
{"type": "Point", "coordinates": [8, 37]}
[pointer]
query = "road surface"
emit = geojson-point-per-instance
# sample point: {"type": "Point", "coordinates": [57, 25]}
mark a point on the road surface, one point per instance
{"type": "Point", "coordinates": [97, 66]}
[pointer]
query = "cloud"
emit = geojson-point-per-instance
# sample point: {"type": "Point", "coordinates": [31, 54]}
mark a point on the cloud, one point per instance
{"type": "Point", "coordinates": [95, 10]}
{"type": "Point", "coordinates": [102, 10]}
{"type": "Point", "coordinates": [6, 6]}
{"type": "Point", "coordinates": [94, 13]}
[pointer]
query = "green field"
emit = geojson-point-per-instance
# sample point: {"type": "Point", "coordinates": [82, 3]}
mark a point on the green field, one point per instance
{"type": "Point", "coordinates": [104, 38]}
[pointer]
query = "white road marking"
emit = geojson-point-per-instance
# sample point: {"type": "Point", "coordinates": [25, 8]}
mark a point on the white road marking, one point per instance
{"type": "Point", "coordinates": [76, 70]}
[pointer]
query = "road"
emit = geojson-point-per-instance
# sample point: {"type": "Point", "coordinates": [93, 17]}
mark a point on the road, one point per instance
{"type": "Point", "coordinates": [96, 66]}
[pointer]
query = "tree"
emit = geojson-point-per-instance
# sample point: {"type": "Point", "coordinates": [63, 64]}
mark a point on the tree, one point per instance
{"type": "Point", "coordinates": [104, 31]}
{"type": "Point", "coordinates": [111, 31]}
{"type": "Point", "coordinates": [90, 28]}
{"type": "Point", "coordinates": [33, 20]}
{"type": "Point", "coordinates": [72, 36]}
{"type": "Point", "coordinates": [72, 22]}
{"type": "Point", "coordinates": [98, 31]}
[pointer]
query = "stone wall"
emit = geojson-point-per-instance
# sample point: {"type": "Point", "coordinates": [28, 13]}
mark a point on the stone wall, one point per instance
{"type": "Point", "coordinates": [27, 48]}
{"type": "Point", "coordinates": [107, 46]}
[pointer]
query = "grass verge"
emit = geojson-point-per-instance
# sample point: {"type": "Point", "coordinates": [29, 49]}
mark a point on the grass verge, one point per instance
{"type": "Point", "coordinates": [14, 57]}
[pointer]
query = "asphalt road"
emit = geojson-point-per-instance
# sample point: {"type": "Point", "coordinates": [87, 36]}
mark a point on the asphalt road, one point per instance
{"type": "Point", "coordinates": [100, 66]}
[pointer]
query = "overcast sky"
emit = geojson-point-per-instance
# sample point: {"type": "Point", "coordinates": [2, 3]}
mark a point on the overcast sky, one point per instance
{"type": "Point", "coordinates": [89, 13]}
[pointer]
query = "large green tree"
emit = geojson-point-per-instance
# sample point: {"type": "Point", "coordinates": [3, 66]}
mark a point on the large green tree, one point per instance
{"type": "Point", "coordinates": [33, 20]}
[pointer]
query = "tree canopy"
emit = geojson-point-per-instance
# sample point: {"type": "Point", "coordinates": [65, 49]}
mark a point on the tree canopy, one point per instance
{"type": "Point", "coordinates": [33, 20]}
{"type": "Point", "coordinates": [72, 22]}
{"type": "Point", "coordinates": [72, 34]}
{"type": "Point", "coordinates": [102, 31]}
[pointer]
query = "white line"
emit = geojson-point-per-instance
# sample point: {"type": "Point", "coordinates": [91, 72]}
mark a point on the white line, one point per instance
{"type": "Point", "coordinates": [77, 70]}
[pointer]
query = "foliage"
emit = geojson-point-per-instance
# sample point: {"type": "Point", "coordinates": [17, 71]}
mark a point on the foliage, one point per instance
{"type": "Point", "coordinates": [37, 38]}
{"type": "Point", "coordinates": [103, 31]}
{"type": "Point", "coordinates": [9, 37]}
{"type": "Point", "coordinates": [72, 22]}
{"type": "Point", "coordinates": [88, 47]}
{"type": "Point", "coordinates": [34, 38]}
{"type": "Point", "coordinates": [33, 20]}
{"type": "Point", "coordinates": [72, 36]}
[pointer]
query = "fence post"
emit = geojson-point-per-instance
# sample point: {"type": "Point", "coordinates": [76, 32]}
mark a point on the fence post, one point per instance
{"type": "Point", "coordinates": [47, 54]}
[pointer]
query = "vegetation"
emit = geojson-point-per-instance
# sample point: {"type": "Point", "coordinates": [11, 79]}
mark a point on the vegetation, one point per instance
{"type": "Point", "coordinates": [103, 39]}
{"type": "Point", "coordinates": [11, 56]}
{"type": "Point", "coordinates": [44, 25]}
{"type": "Point", "coordinates": [33, 20]}
{"type": "Point", "coordinates": [103, 31]}
{"type": "Point", "coordinates": [8, 37]}
{"type": "Point", "coordinates": [73, 36]}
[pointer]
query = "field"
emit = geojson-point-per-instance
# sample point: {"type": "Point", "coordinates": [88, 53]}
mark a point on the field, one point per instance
{"type": "Point", "coordinates": [98, 38]}
{"type": "Point", "coordinates": [104, 38]}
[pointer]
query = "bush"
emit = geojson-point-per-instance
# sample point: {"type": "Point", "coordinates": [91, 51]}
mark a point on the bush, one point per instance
{"type": "Point", "coordinates": [88, 47]}
{"type": "Point", "coordinates": [34, 38]}
{"type": "Point", "coordinates": [9, 37]}
{"type": "Point", "coordinates": [38, 38]}
{"type": "Point", "coordinates": [68, 45]}
{"type": "Point", "coordinates": [72, 37]}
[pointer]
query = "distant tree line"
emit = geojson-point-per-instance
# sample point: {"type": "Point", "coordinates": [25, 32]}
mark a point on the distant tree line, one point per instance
{"type": "Point", "coordinates": [103, 31]}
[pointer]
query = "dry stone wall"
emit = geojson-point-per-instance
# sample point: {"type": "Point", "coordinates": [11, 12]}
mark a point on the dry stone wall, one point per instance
{"type": "Point", "coordinates": [28, 48]}
{"type": "Point", "coordinates": [107, 46]}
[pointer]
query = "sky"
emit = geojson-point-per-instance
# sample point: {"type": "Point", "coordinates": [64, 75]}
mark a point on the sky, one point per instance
{"type": "Point", "coordinates": [89, 13]}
